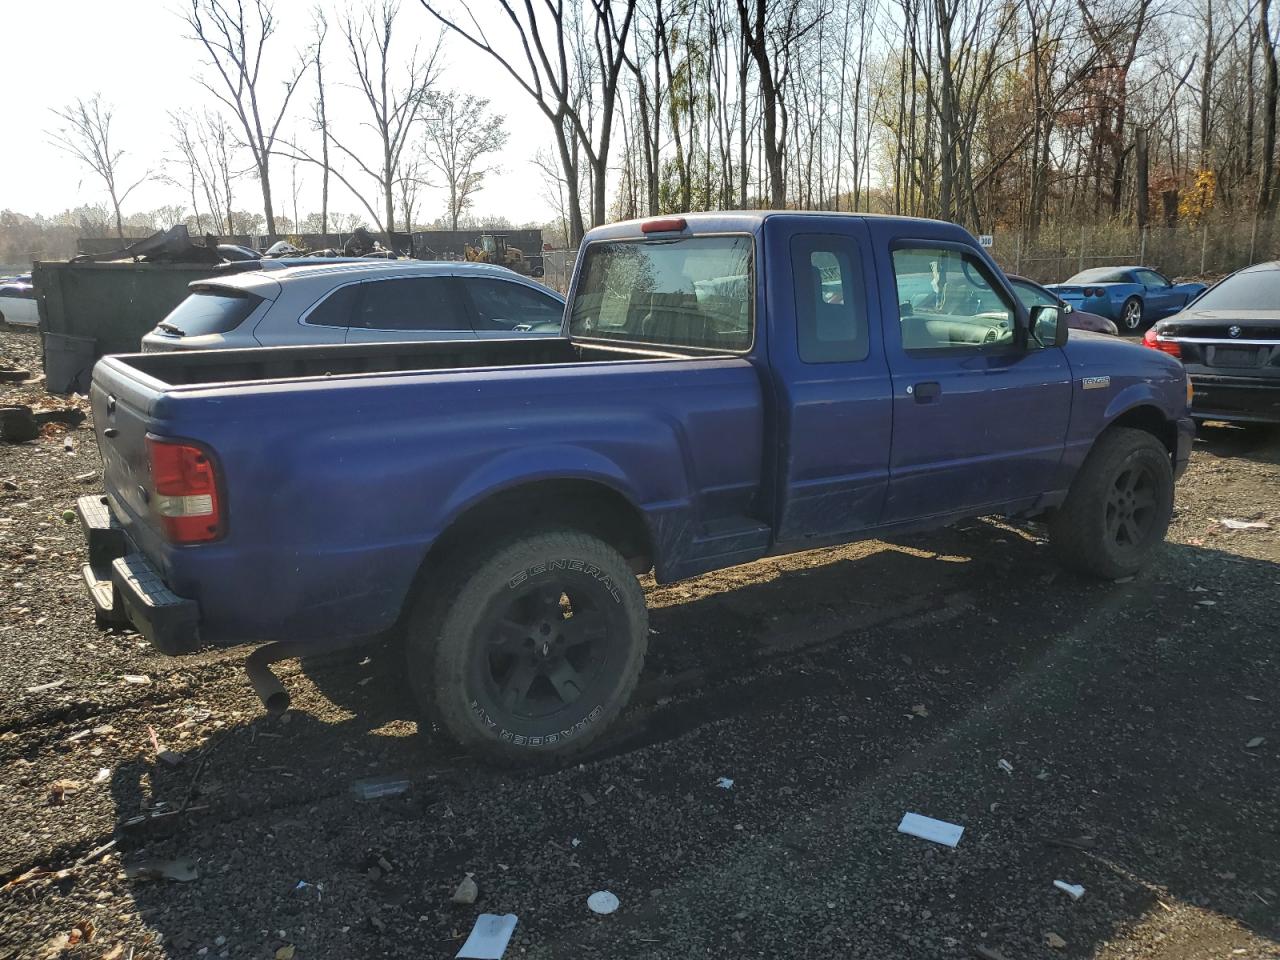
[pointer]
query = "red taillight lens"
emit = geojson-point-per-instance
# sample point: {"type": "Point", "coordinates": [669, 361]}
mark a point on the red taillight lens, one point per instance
{"type": "Point", "coordinates": [185, 491]}
{"type": "Point", "coordinates": [664, 225]}
{"type": "Point", "coordinates": [1152, 339]}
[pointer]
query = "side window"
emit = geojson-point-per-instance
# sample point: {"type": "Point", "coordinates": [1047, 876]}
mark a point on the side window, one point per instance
{"type": "Point", "coordinates": [410, 303]}
{"type": "Point", "coordinates": [501, 304]}
{"type": "Point", "coordinates": [335, 309]}
{"type": "Point", "coordinates": [1151, 278]}
{"type": "Point", "coordinates": [946, 301]}
{"type": "Point", "coordinates": [831, 303]}
{"type": "Point", "coordinates": [1031, 295]}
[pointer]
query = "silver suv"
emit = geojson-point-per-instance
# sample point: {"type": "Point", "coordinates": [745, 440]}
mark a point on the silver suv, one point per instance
{"type": "Point", "coordinates": [361, 302]}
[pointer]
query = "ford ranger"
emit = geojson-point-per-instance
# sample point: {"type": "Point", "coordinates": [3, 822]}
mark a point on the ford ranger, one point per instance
{"type": "Point", "coordinates": [727, 387]}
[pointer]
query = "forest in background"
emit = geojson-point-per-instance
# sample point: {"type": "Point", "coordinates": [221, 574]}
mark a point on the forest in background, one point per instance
{"type": "Point", "coordinates": [1067, 128]}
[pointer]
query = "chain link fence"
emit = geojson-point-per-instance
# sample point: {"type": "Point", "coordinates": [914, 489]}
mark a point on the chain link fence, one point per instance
{"type": "Point", "coordinates": [1208, 250]}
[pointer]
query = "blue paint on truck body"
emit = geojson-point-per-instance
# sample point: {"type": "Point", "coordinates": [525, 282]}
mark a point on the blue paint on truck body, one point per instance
{"type": "Point", "coordinates": [334, 488]}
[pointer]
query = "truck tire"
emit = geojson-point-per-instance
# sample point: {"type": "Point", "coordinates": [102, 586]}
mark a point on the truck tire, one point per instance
{"type": "Point", "coordinates": [1118, 508]}
{"type": "Point", "coordinates": [532, 649]}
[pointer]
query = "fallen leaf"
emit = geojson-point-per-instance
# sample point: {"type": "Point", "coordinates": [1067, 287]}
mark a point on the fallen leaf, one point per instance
{"type": "Point", "coordinates": [59, 790]}
{"type": "Point", "coordinates": [919, 710]}
{"type": "Point", "coordinates": [1054, 941]}
{"type": "Point", "coordinates": [286, 952]}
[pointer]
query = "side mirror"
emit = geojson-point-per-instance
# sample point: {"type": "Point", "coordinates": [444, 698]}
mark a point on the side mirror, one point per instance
{"type": "Point", "coordinates": [1048, 326]}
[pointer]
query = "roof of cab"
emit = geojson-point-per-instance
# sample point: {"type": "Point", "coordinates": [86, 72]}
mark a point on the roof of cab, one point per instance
{"type": "Point", "coordinates": [745, 220]}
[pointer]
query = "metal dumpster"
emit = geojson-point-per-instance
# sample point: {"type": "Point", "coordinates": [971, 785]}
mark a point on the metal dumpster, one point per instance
{"type": "Point", "coordinates": [91, 309]}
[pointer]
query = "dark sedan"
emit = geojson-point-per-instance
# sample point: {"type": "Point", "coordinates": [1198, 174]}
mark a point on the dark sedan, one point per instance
{"type": "Point", "coordinates": [1229, 341]}
{"type": "Point", "coordinates": [1033, 294]}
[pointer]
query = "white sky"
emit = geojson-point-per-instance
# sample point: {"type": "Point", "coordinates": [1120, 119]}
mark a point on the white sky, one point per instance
{"type": "Point", "coordinates": [136, 53]}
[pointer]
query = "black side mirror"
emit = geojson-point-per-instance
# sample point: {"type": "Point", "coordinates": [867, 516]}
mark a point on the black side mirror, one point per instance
{"type": "Point", "coordinates": [1048, 327]}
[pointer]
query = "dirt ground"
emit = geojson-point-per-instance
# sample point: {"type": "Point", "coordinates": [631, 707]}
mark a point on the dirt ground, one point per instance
{"type": "Point", "coordinates": [838, 689]}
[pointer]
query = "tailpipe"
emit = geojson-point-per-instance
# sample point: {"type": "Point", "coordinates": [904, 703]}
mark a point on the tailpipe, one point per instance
{"type": "Point", "coordinates": [265, 683]}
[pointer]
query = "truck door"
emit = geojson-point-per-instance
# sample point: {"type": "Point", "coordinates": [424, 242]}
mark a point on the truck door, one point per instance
{"type": "Point", "coordinates": [979, 418]}
{"type": "Point", "coordinates": [831, 381]}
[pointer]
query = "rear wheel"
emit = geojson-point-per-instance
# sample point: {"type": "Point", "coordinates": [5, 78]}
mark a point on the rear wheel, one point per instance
{"type": "Point", "coordinates": [533, 649]}
{"type": "Point", "coordinates": [1117, 511]}
{"type": "Point", "coordinates": [1131, 316]}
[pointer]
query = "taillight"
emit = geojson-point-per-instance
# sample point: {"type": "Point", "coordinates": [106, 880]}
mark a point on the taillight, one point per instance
{"type": "Point", "coordinates": [1092, 292]}
{"type": "Point", "coordinates": [1153, 340]}
{"type": "Point", "coordinates": [184, 491]}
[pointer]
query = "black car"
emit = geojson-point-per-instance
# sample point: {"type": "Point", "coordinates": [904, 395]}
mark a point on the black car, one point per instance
{"type": "Point", "coordinates": [1229, 340]}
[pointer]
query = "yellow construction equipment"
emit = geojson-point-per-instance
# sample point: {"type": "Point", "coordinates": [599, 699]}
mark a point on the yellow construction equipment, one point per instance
{"type": "Point", "coordinates": [493, 248]}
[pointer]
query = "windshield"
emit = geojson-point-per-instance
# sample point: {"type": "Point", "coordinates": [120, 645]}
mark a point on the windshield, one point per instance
{"type": "Point", "coordinates": [686, 292]}
{"type": "Point", "coordinates": [1101, 275]}
{"type": "Point", "coordinates": [210, 311]}
{"type": "Point", "coordinates": [1247, 290]}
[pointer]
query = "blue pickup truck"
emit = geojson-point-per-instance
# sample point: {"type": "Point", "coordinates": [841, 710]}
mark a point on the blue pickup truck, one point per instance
{"type": "Point", "coordinates": [728, 386]}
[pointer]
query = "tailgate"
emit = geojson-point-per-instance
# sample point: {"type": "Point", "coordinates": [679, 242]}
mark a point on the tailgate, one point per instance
{"type": "Point", "coordinates": [123, 404]}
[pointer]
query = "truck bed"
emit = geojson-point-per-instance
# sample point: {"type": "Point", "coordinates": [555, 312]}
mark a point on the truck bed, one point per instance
{"type": "Point", "coordinates": [188, 368]}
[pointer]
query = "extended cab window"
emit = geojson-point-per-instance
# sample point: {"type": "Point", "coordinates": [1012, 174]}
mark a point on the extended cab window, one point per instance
{"type": "Point", "coordinates": [683, 292]}
{"type": "Point", "coordinates": [946, 302]}
{"type": "Point", "coordinates": [211, 310]}
{"type": "Point", "coordinates": [831, 315]}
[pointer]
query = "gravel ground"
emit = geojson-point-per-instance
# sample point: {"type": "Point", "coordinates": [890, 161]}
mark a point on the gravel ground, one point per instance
{"type": "Point", "coordinates": [838, 689]}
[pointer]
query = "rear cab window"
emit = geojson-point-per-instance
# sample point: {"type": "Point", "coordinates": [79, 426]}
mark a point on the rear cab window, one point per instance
{"type": "Point", "coordinates": [681, 292]}
{"type": "Point", "coordinates": [210, 310]}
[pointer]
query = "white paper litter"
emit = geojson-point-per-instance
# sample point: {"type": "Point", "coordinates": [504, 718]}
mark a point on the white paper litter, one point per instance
{"type": "Point", "coordinates": [104, 774]}
{"type": "Point", "coordinates": [1005, 765]}
{"type": "Point", "coordinates": [1231, 524]}
{"type": "Point", "coordinates": [1074, 889]}
{"type": "Point", "coordinates": [489, 937]}
{"type": "Point", "coordinates": [602, 901]}
{"type": "Point", "coordinates": [724, 783]}
{"type": "Point", "coordinates": [927, 828]}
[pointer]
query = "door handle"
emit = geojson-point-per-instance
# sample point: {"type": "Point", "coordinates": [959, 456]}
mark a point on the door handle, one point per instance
{"type": "Point", "coordinates": [926, 392]}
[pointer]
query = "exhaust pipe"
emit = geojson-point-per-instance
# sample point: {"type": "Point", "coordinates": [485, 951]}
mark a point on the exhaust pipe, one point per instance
{"type": "Point", "coordinates": [265, 684]}
{"type": "Point", "coordinates": [257, 667]}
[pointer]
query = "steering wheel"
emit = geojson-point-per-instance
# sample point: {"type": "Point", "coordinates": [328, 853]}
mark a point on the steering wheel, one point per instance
{"type": "Point", "coordinates": [972, 275]}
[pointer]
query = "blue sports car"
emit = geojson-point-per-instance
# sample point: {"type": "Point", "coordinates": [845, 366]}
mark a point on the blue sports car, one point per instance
{"type": "Point", "coordinates": [1131, 296]}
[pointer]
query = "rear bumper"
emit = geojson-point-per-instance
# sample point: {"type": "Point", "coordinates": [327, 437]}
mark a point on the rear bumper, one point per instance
{"type": "Point", "coordinates": [1237, 399]}
{"type": "Point", "coordinates": [127, 588]}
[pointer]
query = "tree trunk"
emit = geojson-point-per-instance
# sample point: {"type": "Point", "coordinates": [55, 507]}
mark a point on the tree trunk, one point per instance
{"type": "Point", "coordinates": [1266, 180]}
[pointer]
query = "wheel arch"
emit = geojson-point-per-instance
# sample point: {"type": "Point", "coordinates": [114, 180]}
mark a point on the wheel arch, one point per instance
{"type": "Point", "coordinates": [1147, 416]}
{"type": "Point", "coordinates": [588, 504]}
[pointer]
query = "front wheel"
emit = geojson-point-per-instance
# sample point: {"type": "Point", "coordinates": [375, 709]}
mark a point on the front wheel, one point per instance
{"type": "Point", "coordinates": [533, 649]}
{"type": "Point", "coordinates": [1131, 315]}
{"type": "Point", "coordinates": [1118, 508]}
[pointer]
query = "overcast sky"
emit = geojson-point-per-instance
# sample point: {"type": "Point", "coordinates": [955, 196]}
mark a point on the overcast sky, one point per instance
{"type": "Point", "coordinates": [135, 52]}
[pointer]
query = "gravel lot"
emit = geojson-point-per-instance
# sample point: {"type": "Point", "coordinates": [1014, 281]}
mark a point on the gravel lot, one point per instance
{"type": "Point", "coordinates": [838, 689]}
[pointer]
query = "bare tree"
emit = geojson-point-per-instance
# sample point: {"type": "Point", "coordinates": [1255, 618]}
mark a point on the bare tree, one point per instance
{"type": "Point", "coordinates": [394, 111]}
{"type": "Point", "coordinates": [558, 87]}
{"type": "Point", "coordinates": [459, 138]}
{"type": "Point", "coordinates": [321, 114]}
{"type": "Point", "coordinates": [205, 147]}
{"type": "Point", "coordinates": [86, 135]}
{"type": "Point", "coordinates": [235, 41]}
